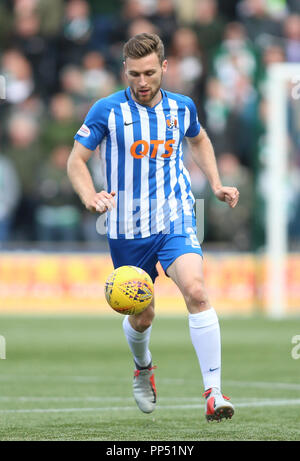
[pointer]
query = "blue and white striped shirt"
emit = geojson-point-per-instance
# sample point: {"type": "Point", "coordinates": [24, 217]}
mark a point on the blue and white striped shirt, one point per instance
{"type": "Point", "coordinates": [142, 159]}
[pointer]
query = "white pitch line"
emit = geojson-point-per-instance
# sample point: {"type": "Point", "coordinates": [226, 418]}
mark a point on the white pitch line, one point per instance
{"type": "Point", "coordinates": [263, 403]}
{"type": "Point", "coordinates": [8, 398]}
{"type": "Point", "coordinates": [83, 379]}
{"type": "Point", "coordinates": [5, 398]}
{"type": "Point", "coordinates": [174, 381]}
{"type": "Point", "coordinates": [263, 385]}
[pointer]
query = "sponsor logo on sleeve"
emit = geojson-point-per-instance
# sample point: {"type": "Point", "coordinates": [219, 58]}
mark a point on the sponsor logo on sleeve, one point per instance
{"type": "Point", "coordinates": [84, 131]}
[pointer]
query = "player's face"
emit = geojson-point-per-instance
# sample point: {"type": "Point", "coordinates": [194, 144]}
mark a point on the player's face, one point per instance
{"type": "Point", "coordinates": [144, 77]}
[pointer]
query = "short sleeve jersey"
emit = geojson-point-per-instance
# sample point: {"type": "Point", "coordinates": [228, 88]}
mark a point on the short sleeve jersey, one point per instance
{"type": "Point", "coordinates": [142, 160]}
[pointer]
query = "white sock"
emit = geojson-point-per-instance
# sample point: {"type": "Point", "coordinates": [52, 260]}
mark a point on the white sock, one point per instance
{"type": "Point", "coordinates": [138, 343]}
{"type": "Point", "coordinates": [206, 339]}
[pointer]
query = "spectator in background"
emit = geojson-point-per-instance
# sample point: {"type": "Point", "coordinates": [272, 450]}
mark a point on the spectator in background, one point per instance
{"type": "Point", "coordinates": [40, 51]}
{"type": "Point", "coordinates": [258, 21]}
{"type": "Point", "coordinates": [291, 28]}
{"type": "Point", "coordinates": [25, 153]}
{"type": "Point", "coordinates": [165, 20]}
{"type": "Point", "coordinates": [131, 11]}
{"type": "Point", "coordinates": [209, 27]}
{"type": "Point", "coordinates": [9, 197]}
{"type": "Point", "coordinates": [174, 79]}
{"type": "Point", "coordinates": [61, 123]}
{"type": "Point", "coordinates": [235, 57]}
{"type": "Point", "coordinates": [235, 65]}
{"type": "Point", "coordinates": [17, 72]}
{"type": "Point", "coordinates": [270, 55]}
{"type": "Point", "coordinates": [98, 82]}
{"type": "Point", "coordinates": [273, 54]}
{"type": "Point", "coordinates": [231, 124]}
{"type": "Point", "coordinates": [198, 179]}
{"type": "Point", "coordinates": [106, 20]}
{"type": "Point", "coordinates": [217, 113]}
{"type": "Point", "coordinates": [24, 149]}
{"type": "Point", "coordinates": [51, 14]}
{"type": "Point", "coordinates": [76, 32]}
{"type": "Point", "coordinates": [186, 59]}
{"type": "Point", "coordinates": [242, 120]}
{"type": "Point", "coordinates": [57, 214]}
{"type": "Point", "coordinates": [71, 84]}
{"type": "Point", "coordinates": [139, 26]}
{"type": "Point", "coordinates": [219, 228]}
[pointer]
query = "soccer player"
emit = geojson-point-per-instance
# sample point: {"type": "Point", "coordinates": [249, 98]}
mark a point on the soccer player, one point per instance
{"type": "Point", "coordinates": [149, 205]}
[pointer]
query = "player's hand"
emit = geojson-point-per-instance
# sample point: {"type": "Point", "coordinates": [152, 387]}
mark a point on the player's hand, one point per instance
{"type": "Point", "coordinates": [101, 202]}
{"type": "Point", "coordinates": [229, 195]}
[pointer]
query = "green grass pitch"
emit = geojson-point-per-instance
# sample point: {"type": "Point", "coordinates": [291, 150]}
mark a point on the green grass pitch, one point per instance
{"type": "Point", "coordinates": [69, 378]}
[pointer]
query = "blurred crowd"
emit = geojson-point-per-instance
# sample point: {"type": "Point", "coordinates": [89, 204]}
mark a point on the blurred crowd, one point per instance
{"type": "Point", "coordinates": [58, 57]}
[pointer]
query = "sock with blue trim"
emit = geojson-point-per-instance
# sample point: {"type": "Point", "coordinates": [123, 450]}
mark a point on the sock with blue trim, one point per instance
{"type": "Point", "coordinates": [138, 343]}
{"type": "Point", "coordinates": [206, 339]}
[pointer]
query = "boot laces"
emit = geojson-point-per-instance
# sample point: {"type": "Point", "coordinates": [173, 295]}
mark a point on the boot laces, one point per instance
{"type": "Point", "coordinates": [137, 372]}
{"type": "Point", "coordinates": [207, 393]}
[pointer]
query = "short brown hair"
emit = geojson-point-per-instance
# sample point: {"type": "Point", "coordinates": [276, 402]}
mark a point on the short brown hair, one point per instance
{"type": "Point", "coordinates": [142, 45]}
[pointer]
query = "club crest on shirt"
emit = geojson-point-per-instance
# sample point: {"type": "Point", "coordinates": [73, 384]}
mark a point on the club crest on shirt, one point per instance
{"type": "Point", "coordinates": [84, 131]}
{"type": "Point", "coordinates": [172, 122]}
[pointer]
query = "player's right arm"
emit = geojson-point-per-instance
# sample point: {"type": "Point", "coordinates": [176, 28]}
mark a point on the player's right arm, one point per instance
{"type": "Point", "coordinates": [82, 182]}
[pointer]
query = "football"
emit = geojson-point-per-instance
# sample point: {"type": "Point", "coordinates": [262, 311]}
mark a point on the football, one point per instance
{"type": "Point", "coordinates": [129, 290]}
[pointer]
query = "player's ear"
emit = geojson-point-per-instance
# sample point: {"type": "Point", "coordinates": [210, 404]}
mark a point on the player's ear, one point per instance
{"type": "Point", "coordinates": [164, 66]}
{"type": "Point", "coordinates": [125, 68]}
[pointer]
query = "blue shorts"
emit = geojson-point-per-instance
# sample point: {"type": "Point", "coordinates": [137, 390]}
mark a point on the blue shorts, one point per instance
{"type": "Point", "coordinates": [146, 252]}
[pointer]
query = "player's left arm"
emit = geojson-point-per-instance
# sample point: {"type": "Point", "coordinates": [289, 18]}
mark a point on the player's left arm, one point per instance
{"type": "Point", "coordinates": [203, 154]}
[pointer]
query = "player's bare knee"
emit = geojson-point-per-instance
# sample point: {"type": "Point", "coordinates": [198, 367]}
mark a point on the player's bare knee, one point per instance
{"type": "Point", "coordinates": [196, 296]}
{"type": "Point", "coordinates": [142, 323]}
{"type": "Point", "coordinates": [144, 320]}
{"type": "Point", "coordinates": [145, 324]}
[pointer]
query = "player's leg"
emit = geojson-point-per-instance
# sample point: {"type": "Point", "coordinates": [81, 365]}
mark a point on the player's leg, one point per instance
{"type": "Point", "coordinates": [187, 272]}
{"type": "Point", "coordinates": [137, 329]}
